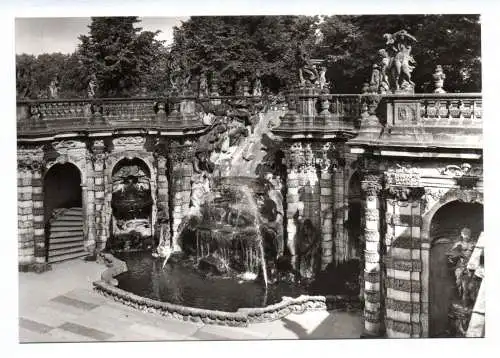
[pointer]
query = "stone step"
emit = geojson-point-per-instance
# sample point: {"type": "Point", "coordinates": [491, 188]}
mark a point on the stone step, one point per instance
{"type": "Point", "coordinates": [66, 257]}
{"type": "Point", "coordinates": [68, 218]}
{"type": "Point", "coordinates": [60, 223]}
{"type": "Point", "coordinates": [64, 239]}
{"type": "Point", "coordinates": [65, 245]}
{"type": "Point", "coordinates": [55, 253]}
{"type": "Point", "coordinates": [67, 229]}
{"type": "Point", "coordinates": [62, 234]}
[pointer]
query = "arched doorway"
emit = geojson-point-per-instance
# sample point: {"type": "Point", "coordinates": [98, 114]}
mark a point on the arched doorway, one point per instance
{"type": "Point", "coordinates": [446, 229]}
{"type": "Point", "coordinates": [353, 224]}
{"type": "Point", "coordinates": [132, 204]}
{"type": "Point", "coordinates": [63, 214]}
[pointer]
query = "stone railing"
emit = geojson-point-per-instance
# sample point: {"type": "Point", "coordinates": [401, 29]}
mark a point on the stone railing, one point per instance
{"type": "Point", "coordinates": [54, 116]}
{"type": "Point", "coordinates": [451, 120]}
{"type": "Point", "coordinates": [314, 113]}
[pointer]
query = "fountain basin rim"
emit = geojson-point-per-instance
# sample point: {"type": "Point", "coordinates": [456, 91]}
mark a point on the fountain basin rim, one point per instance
{"type": "Point", "coordinates": [242, 317]}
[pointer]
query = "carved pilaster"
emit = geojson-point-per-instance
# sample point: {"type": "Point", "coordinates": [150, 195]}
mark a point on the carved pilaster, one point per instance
{"type": "Point", "coordinates": [101, 214]}
{"type": "Point", "coordinates": [181, 157]}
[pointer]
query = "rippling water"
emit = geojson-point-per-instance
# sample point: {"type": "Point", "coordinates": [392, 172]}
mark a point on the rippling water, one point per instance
{"type": "Point", "coordinates": [180, 283]}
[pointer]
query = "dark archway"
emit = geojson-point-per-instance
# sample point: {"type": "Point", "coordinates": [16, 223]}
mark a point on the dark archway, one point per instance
{"type": "Point", "coordinates": [131, 204]}
{"type": "Point", "coordinates": [353, 224]}
{"type": "Point", "coordinates": [445, 231]}
{"type": "Point", "coordinates": [63, 215]}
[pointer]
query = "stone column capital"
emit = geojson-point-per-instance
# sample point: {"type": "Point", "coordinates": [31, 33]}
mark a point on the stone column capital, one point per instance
{"type": "Point", "coordinates": [371, 184]}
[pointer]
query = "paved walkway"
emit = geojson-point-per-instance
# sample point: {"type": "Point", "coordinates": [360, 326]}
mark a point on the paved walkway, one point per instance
{"type": "Point", "coordinates": [60, 306]}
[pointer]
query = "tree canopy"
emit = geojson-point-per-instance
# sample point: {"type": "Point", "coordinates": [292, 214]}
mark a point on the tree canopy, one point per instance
{"type": "Point", "coordinates": [127, 60]}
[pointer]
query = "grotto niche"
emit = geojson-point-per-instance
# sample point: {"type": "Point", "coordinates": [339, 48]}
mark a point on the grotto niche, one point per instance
{"type": "Point", "coordinates": [131, 204]}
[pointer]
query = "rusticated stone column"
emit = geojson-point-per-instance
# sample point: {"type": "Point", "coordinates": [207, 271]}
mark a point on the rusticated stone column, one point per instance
{"type": "Point", "coordinates": [181, 156]}
{"type": "Point", "coordinates": [38, 218]}
{"type": "Point", "coordinates": [90, 210]}
{"type": "Point", "coordinates": [162, 199]}
{"type": "Point", "coordinates": [403, 262]}
{"type": "Point", "coordinates": [101, 231]}
{"type": "Point", "coordinates": [294, 158]}
{"type": "Point", "coordinates": [371, 186]}
{"type": "Point", "coordinates": [26, 244]}
{"type": "Point", "coordinates": [341, 240]}
{"type": "Point", "coordinates": [327, 169]}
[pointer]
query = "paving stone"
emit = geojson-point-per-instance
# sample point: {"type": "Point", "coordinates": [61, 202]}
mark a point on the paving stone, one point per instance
{"type": "Point", "coordinates": [34, 326]}
{"type": "Point", "coordinates": [213, 332]}
{"type": "Point", "coordinates": [87, 295]}
{"type": "Point", "coordinates": [157, 332]}
{"type": "Point", "coordinates": [27, 336]}
{"type": "Point", "coordinates": [74, 302]}
{"type": "Point", "coordinates": [85, 331]}
{"type": "Point", "coordinates": [59, 335]}
{"type": "Point", "coordinates": [48, 316]}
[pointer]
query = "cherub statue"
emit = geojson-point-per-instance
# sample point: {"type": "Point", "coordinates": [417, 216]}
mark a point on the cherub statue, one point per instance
{"type": "Point", "coordinates": [92, 86]}
{"type": "Point", "coordinates": [54, 88]}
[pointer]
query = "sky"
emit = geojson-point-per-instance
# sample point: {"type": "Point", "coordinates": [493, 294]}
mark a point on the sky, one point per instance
{"type": "Point", "coordinates": [46, 35]}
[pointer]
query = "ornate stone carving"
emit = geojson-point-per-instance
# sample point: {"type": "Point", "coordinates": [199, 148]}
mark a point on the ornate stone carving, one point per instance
{"type": "Point", "coordinates": [405, 193]}
{"type": "Point", "coordinates": [129, 141]}
{"type": "Point", "coordinates": [406, 113]}
{"type": "Point", "coordinates": [68, 144]}
{"type": "Point", "coordinates": [405, 176]}
{"type": "Point", "coordinates": [371, 214]}
{"type": "Point", "coordinates": [465, 169]}
{"type": "Point", "coordinates": [371, 185]}
{"type": "Point", "coordinates": [301, 157]}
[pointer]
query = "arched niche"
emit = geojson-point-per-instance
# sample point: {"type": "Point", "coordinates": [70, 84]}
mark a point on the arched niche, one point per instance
{"type": "Point", "coordinates": [445, 229]}
{"type": "Point", "coordinates": [131, 202]}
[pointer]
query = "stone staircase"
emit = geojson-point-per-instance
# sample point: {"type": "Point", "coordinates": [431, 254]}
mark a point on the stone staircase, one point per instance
{"type": "Point", "coordinates": [66, 235]}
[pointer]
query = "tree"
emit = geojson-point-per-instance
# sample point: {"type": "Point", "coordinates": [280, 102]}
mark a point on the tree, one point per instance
{"type": "Point", "coordinates": [232, 47]}
{"type": "Point", "coordinates": [119, 54]}
{"type": "Point", "coordinates": [453, 41]}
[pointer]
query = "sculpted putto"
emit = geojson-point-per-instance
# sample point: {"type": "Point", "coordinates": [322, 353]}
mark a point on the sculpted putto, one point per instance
{"type": "Point", "coordinates": [395, 64]}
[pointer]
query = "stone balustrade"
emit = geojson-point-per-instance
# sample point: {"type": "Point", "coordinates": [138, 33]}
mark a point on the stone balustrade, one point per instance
{"type": "Point", "coordinates": [57, 116]}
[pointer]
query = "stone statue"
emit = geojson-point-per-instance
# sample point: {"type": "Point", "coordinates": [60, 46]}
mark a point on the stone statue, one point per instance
{"type": "Point", "coordinates": [322, 78]}
{"type": "Point", "coordinates": [458, 257]}
{"type": "Point", "coordinates": [375, 81]}
{"type": "Point", "coordinates": [257, 88]}
{"type": "Point", "coordinates": [308, 247]}
{"type": "Point", "coordinates": [54, 88]}
{"type": "Point", "coordinates": [308, 73]}
{"type": "Point", "coordinates": [396, 61]}
{"type": "Point", "coordinates": [439, 78]}
{"type": "Point", "coordinates": [203, 90]}
{"type": "Point", "coordinates": [92, 86]}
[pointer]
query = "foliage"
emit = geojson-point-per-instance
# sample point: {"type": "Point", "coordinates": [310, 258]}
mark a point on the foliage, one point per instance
{"type": "Point", "coordinates": [126, 59]}
{"type": "Point", "coordinates": [453, 41]}
{"type": "Point", "coordinates": [230, 48]}
{"type": "Point", "coordinates": [119, 54]}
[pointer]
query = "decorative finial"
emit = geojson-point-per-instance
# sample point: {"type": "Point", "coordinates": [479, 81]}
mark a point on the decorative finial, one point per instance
{"type": "Point", "coordinates": [439, 78]}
